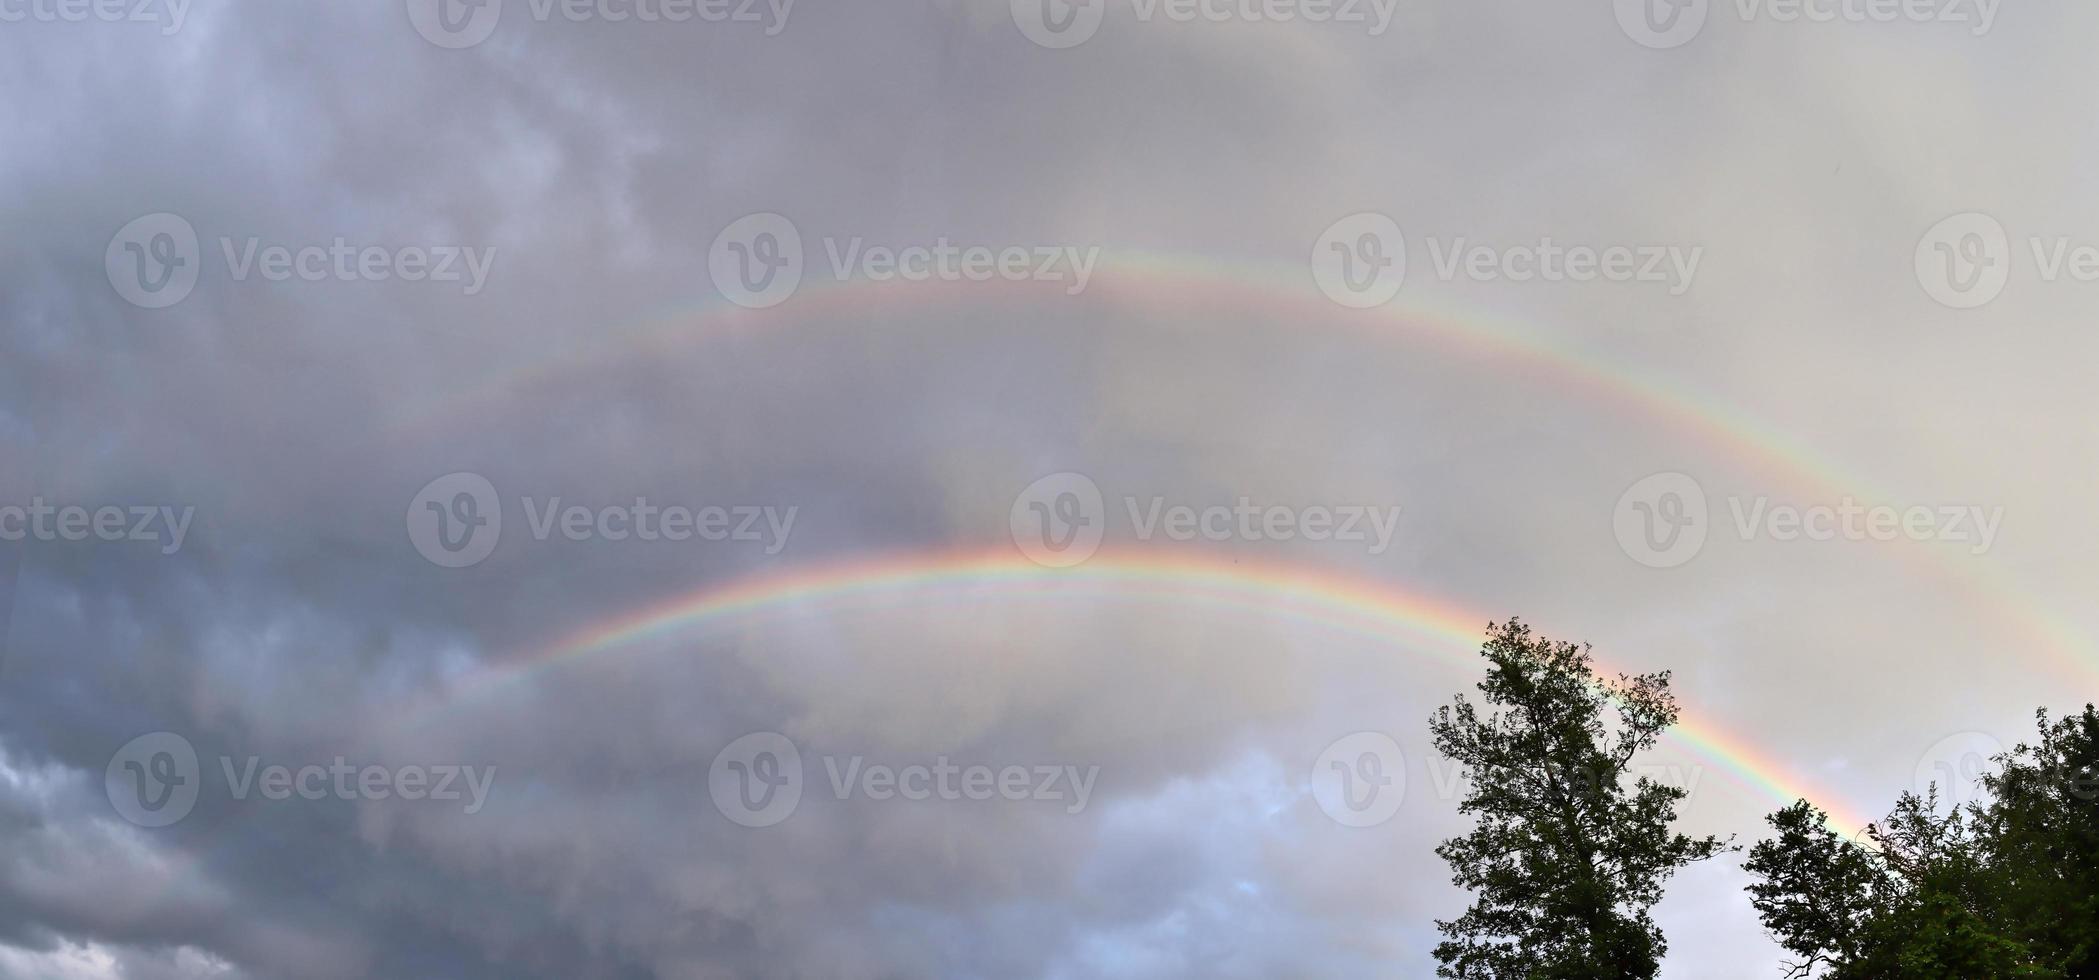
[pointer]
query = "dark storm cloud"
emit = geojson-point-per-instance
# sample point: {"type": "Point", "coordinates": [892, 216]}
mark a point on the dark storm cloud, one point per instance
{"type": "Point", "coordinates": [595, 163]}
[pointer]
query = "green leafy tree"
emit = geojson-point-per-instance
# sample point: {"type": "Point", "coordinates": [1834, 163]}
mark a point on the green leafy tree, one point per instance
{"type": "Point", "coordinates": [1818, 891]}
{"type": "Point", "coordinates": [1917, 904]}
{"type": "Point", "coordinates": [2007, 887]}
{"type": "Point", "coordinates": [1570, 853]}
{"type": "Point", "coordinates": [2041, 834]}
{"type": "Point", "coordinates": [1940, 915]}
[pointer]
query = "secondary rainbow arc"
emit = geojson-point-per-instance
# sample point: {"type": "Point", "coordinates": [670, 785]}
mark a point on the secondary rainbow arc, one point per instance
{"type": "Point", "coordinates": [1178, 281]}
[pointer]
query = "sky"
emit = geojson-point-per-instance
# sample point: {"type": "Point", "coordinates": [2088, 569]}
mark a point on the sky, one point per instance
{"type": "Point", "coordinates": [973, 488]}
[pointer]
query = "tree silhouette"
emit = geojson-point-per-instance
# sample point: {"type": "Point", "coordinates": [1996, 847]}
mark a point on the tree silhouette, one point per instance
{"type": "Point", "coordinates": [1566, 859]}
{"type": "Point", "coordinates": [2007, 887]}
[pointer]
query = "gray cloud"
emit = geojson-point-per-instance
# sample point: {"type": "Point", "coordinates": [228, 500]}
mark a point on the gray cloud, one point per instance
{"type": "Point", "coordinates": [598, 161]}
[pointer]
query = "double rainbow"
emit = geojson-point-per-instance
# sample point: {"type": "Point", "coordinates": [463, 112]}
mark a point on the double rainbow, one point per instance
{"type": "Point", "coordinates": [1178, 284]}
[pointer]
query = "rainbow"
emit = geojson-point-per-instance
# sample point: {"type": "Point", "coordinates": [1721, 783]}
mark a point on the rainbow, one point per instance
{"type": "Point", "coordinates": [1179, 284]}
{"type": "Point", "coordinates": [1353, 606]}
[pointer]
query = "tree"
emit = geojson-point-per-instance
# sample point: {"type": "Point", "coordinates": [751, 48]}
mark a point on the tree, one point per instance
{"type": "Point", "coordinates": [2008, 887]}
{"type": "Point", "coordinates": [1818, 891]}
{"type": "Point", "coordinates": [1940, 916]}
{"type": "Point", "coordinates": [1915, 905]}
{"type": "Point", "coordinates": [2041, 835]}
{"type": "Point", "coordinates": [1566, 859]}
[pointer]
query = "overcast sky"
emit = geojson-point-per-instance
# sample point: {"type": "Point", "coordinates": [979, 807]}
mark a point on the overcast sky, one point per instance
{"type": "Point", "coordinates": [1154, 401]}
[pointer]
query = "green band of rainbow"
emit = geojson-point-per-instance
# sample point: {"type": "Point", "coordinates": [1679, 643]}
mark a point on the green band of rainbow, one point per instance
{"type": "Point", "coordinates": [1418, 623]}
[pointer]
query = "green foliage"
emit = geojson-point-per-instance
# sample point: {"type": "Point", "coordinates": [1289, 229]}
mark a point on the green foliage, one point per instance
{"type": "Point", "coordinates": [2040, 834]}
{"type": "Point", "coordinates": [2003, 888]}
{"type": "Point", "coordinates": [1818, 891]}
{"type": "Point", "coordinates": [1566, 859]}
